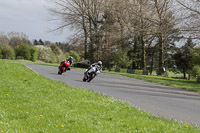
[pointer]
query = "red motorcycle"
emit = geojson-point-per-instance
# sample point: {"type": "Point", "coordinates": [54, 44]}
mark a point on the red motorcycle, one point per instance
{"type": "Point", "coordinates": [64, 66]}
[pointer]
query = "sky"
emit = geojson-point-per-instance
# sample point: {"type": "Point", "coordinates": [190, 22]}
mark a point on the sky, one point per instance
{"type": "Point", "coordinates": [30, 17]}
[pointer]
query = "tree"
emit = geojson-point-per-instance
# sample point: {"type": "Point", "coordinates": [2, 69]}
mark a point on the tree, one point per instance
{"type": "Point", "coordinates": [34, 53]}
{"type": "Point", "coordinates": [36, 42]}
{"type": "Point", "coordinates": [122, 59]}
{"type": "Point", "coordinates": [75, 55]}
{"type": "Point", "coordinates": [195, 56]}
{"type": "Point", "coordinates": [41, 42]}
{"type": "Point", "coordinates": [190, 17]}
{"type": "Point", "coordinates": [183, 58]}
{"type": "Point", "coordinates": [4, 39]}
{"type": "Point", "coordinates": [163, 27]}
{"type": "Point", "coordinates": [16, 38]}
{"type": "Point", "coordinates": [57, 51]}
{"type": "Point", "coordinates": [7, 52]}
{"type": "Point", "coordinates": [46, 54]}
{"type": "Point", "coordinates": [73, 13]}
{"type": "Point", "coordinates": [195, 71]}
{"type": "Point", "coordinates": [23, 51]}
{"type": "Point", "coordinates": [195, 53]}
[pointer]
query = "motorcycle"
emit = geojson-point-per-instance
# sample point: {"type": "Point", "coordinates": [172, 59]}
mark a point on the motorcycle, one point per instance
{"type": "Point", "coordinates": [64, 66]}
{"type": "Point", "coordinates": [89, 75]}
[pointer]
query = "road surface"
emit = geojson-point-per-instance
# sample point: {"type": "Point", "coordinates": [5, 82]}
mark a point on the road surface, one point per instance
{"type": "Point", "coordinates": [159, 100]}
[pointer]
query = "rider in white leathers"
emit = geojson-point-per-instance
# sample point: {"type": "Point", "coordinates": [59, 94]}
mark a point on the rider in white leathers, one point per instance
{"type": "Point", "coordinates": [98, 67]}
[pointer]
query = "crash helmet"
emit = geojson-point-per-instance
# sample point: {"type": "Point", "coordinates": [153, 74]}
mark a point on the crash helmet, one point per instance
{"type": "Point", "coordinates": [99, 63]}
{"type": "Point", "coordinates": [70, 58]}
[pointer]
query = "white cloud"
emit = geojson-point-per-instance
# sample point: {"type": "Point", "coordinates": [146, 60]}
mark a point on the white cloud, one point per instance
{"type": "Point", "coordinates": [29, 17]}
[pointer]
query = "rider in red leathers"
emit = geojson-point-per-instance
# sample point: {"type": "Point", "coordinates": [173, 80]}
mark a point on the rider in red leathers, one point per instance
{"type": "Point", "coordinates": [66, 65]}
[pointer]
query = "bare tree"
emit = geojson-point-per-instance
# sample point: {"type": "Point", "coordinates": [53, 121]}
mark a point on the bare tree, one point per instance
{"type": "Point", "coordinates": [72, 13]}
{"type": "Point", "coordinates": [191, 17]}
{"type": "Point", "coordinates": [163, 27]}
{"type": "Point", "coordinates": [139, 25]}
{"type": "Point", "coordinates": [16, 38]}
{"type": "Point", "coordinates": [85, 17]}
{"type": "Point", "coordinates": [4, 39]}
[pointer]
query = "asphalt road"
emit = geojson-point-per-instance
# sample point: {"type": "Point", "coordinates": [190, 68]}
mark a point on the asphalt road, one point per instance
{"type": "Point", "coordinates": [159, 100]}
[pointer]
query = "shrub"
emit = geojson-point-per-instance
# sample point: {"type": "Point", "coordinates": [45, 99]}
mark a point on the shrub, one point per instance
{"type": "Point", "coordinates": [195, 71]}
{"type": "Point", "coordinates": [46, 54]}
{"type": "Point", "coordinates": [75, 55]}
{"type": "Point", "coordinates": [23, 51]}
{"type": "Point", "coordinates": [57, 52]}
{"type": "Point", "coordinates": [121, 59]}
{"type": "Point", "coordinates": [34, 53]}
{"type": "Point", "coordinates": [7, 52]}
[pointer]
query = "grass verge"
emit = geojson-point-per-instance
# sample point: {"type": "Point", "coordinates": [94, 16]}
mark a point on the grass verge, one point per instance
{"type": "Point", "coordinates": [189, 85]}
{"type": "Point", "coordinates": [31, 103]}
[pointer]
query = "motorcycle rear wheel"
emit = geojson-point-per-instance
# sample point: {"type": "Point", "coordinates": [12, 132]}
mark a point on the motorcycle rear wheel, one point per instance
{"type": "Point", "coordinates": [89, 79]}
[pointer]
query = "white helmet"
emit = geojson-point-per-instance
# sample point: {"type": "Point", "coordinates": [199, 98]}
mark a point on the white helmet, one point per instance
{"type": "Point", "coordinates": [99, 63]}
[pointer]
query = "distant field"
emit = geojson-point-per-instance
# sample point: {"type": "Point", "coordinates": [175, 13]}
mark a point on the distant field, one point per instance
{"type": "Point", "coordinates": [31, 103]}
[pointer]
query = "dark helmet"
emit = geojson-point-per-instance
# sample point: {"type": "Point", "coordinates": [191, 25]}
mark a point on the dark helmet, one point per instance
{"type": "Point", "coordinates": [99, 63]}
{"type": "Point", "coordinates": [70, 58]}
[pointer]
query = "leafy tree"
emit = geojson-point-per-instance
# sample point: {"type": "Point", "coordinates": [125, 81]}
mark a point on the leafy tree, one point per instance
{"type": "Point", "coordinates": [122, 59]}
{"type": "Point", "coordinates": [7, 52]}
{"type": "Point", "coordinates": [36, 42]}
{"type": "Point", "coordinates": [75, 55]}
{"type": "Point", "coordinates": [195, 71]}
{"type": "Point", "coordinates": [183, 57]}
{"type": "Point", "coordinates": [23, 51]}
{"type": "Point", "coordinates": [57, 51]}
{"type": "Point", "coordinates": [195, 56]}
{"type": "Point", "coordinates": [41, 42]}
{"type": "Point", "coordinates": [34, 53]}
{"type": "Point", "coordinates": [195, 61]}
{"type": "Point", "coordinates": [46, 54]}
{"type": "Point", "coordinates": [26, 51]}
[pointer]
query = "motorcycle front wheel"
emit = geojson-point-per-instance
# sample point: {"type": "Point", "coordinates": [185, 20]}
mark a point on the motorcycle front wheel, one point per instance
{"type": "Point", "coordinates": [84, 79]}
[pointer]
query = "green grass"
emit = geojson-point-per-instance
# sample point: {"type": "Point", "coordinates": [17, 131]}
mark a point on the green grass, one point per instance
{"type": "Point", "coordinates": [29, 62]}
{"type": "Point", "coordinates": [189, 85]}
{"type": "Point", "coordinates": [31, 103]}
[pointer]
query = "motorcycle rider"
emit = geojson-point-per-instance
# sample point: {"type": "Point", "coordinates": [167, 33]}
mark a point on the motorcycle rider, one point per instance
{"type": "Point", "coordinates": [70, 60]}
{"type": "Point", "coordinates": [97, 65]}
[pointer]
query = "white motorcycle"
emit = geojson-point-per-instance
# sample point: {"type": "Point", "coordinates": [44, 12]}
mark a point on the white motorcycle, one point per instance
{"type": "Point", "coordinates": [90, 74]}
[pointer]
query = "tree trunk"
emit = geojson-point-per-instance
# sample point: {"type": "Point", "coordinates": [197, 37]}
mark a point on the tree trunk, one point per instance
{"type": "Point", "coordinates": [143, 65]}
{"type": "Point", "coordinates": [188, 77]}
{"type": "Point", "coordinates": [91, 47]}
{"type": "Point", "coordinates": [161, 69]}
{"type": "Point", "coordinates": [184, 75]}
{"type": "Point", "coordinates": [85, 41]}
{"type": "Point", "coordinates": [152, 62]}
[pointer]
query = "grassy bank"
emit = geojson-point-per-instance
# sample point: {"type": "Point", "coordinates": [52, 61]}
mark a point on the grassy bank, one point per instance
{"type": "Point", "coordinates": [31, 103]}
{"type": "Point", "coordinates": [190, 85]}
